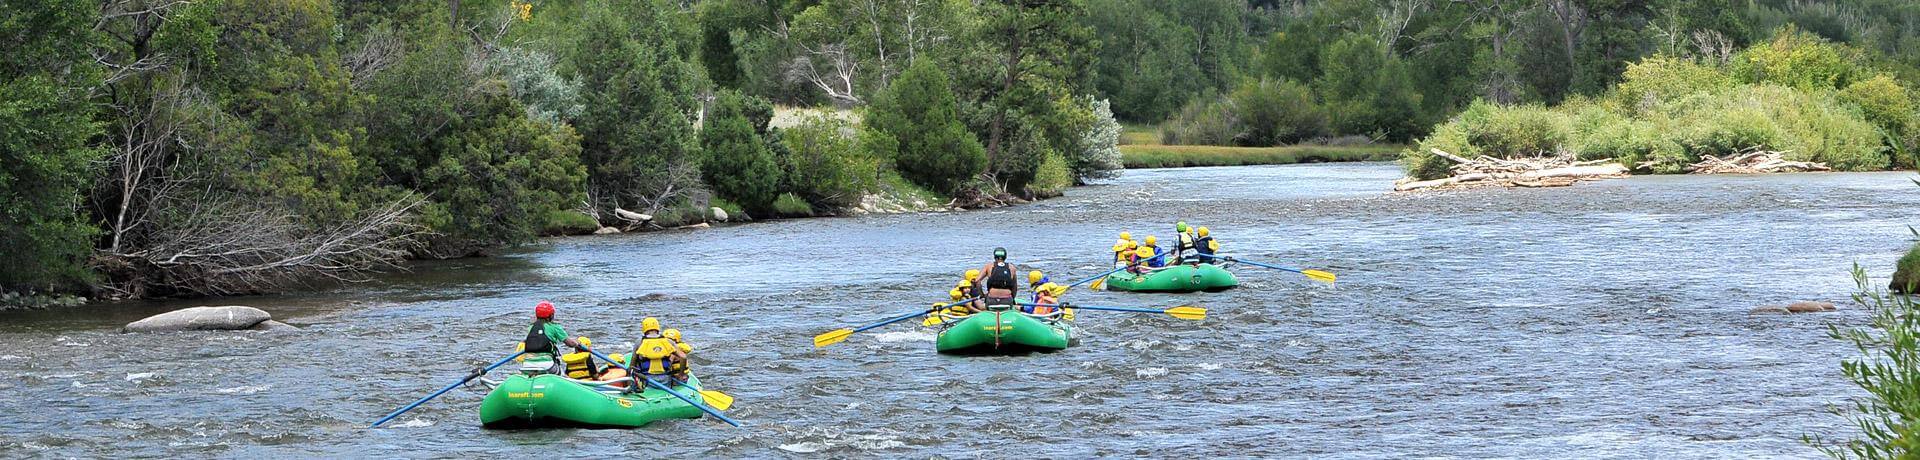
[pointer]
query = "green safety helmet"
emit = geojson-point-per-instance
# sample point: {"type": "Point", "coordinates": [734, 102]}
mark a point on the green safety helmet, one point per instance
{"type": "Point", "coordinates": [1000, 253]}
{"type": "Point", "coordinates": [1181, 226]}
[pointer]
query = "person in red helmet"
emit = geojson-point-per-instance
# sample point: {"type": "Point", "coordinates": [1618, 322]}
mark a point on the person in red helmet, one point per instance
{"type": "Point", "coordinates": [544, 338]}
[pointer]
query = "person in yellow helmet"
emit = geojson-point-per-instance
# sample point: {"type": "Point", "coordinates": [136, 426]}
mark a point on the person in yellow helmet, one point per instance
{"type": "Point", "coordinates": [1152, 247]}
{"type": "Point", "coordinates": [653, 357]}
{"type": "Point", "coordinates": [1037, 282]}
{"type": "Point", "coordinates": [580, 363]}
{"type": "Point", "coordinates": [1204, 246]}
{"type": "Point", "coordinates": [969, 288]}
{"type": "Point", "coordinates": [1045, 295]}
{"type": "Point", "coordinates": [1122, 248]}
{"type": "Point", "coordinates": [1138, 260]}
{"type": "Point", "coordinates": [679, 366]}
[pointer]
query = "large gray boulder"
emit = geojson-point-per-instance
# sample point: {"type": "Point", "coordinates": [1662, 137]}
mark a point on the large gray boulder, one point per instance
{"type": "Point", "coordinates": [201, 319]}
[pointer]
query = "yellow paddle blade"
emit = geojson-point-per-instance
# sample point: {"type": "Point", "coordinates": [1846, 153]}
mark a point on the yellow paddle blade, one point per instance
{"type": "Point", "coordinates": [1187, 312]}
{"type": "Point", "coordinates": [1321, 276]}
{"type": "Point", "coordinates": [1098, 284]}
{"type": "Point", "coordinates": [932, 321]}
{"type": "Point", "coordinates": [831, 338]}
{"type": "Point", "coordinates": [717, 399]}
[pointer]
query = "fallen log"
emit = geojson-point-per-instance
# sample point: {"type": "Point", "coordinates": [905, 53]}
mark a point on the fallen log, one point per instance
{"type": "Point", "coordinates": [1515, 172]}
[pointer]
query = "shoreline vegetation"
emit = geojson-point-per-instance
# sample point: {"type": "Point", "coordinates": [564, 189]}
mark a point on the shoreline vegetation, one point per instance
{"type": "Point", "coordinates": [1141, 148]}
{"type": "Point", "coordinates": [1790, 103]}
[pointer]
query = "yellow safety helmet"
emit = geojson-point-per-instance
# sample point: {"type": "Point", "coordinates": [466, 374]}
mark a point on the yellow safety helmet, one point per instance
{"type": "Point", "coordinates": [966, 283]}
{"type": "Point", "coordinates": [1144, 252]}
{"type": "Point", "coordinates": [956, 294]}
{"type": "Point", "coordinates": [1152, 241]}
{"type": "Point", "coordinates": [1035, 276]}
{"type": "Point", "coordinates": [649, 324]}
{"type": "Point", "coordinates": [1203, 231]}
{"type": "Point", "coordinates": [584, 342]}
{"type": "Point", "coordinates": [671, 334]}
{"type": "Point", "coordinates": [973, 274]}
{"type": "Point", "coordinates": [1126, 235]}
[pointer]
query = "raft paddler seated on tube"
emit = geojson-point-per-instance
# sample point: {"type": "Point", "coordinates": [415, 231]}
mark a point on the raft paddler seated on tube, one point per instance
{"type": "Point", "coordinates": [1001, 284]}
{"type": "Point", "coordinates": [655, 356]}
{"type": "Point", "coordinates": [1045, 292]}
{"type": "Point", "coordinates": [544, 337]}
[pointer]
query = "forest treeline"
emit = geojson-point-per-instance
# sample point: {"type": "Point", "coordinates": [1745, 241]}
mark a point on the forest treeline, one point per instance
{"type": "Point", "coordinates": [206, 147]}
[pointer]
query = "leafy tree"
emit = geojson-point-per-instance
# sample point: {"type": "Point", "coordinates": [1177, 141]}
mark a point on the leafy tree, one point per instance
{"type": "Point", "coordinates": [1275, 113]}
{"type": "Point", "coordinates": [498, 175]}
{"type": "Point", "coordinates": [1365, 89]}
{"type": "Point", "coordinates": [46, 127]}
{"type": "Point", "coordinates": [919, 127]}
{"type": "Point", "coordinates": [1034, 67]}
{"type": "Point", "coordinates": [637, 136]}
{"type": "Point", "coordinates": [737, 163]}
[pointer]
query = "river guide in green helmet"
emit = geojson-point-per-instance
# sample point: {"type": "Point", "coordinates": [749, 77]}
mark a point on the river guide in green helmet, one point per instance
{"type": "Point", "coordinates": [1001, 284]}
{"type": "Point", "coordinates": [1185, 245]}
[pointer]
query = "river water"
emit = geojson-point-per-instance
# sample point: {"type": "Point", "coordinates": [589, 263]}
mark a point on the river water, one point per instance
{"type": "Point", "coordinates": [1608, 319]}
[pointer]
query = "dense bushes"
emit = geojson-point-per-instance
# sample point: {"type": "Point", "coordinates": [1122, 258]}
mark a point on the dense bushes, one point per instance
{"type": "Point", "coordinates": [1796, 94]}
{"type": "Point", "coordinates": [826, 163]}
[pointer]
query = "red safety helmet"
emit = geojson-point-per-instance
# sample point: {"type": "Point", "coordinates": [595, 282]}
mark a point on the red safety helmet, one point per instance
{"type": "Point", "coordinates": [544, 310]}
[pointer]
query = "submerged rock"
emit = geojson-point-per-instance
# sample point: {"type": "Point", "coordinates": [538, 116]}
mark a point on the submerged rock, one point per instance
{"type": "Point", "coordinates": [201, 319]}
{"type": "Point", "coordinates": [1809, 307]}
{"type": "Point", "coordinates": [606, 231]}
{"type": "Point", "coordinates": [271, 326]}
{"type": "Point", "coordinates": [1769, 310]}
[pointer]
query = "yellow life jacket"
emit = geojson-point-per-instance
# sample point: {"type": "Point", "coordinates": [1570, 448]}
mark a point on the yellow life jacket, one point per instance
{"type": "Point", "coordinates": [651, 356]}
{"type": "Point", "coordinates": [579, 364]}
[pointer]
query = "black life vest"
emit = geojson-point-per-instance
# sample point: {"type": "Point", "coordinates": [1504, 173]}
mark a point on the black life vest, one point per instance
{"type": "Point", "coordinates": [537, 341]}
{"type": "Point", "coordinates": [1002, 277]}
{"type": "Point", "coordinates": [1204, 245]}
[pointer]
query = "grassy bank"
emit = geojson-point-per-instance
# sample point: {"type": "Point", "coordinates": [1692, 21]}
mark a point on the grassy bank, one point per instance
{"type": "Point", "coordinates": [1181, 156]}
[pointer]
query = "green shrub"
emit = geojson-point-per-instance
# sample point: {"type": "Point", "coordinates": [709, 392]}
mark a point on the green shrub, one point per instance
{"type": "Point", "coordinates": [1450, 137]}
{"type": "Point", "coordinates": [1662, 78]}
{"type": "Point", "coordinates": [568, 223]}
{"type": "Point", "coordinates": [826, 165]}
{"type": "Point", "coordinates": [1203, 121]}
{"type": "Point", "coordinates": [1889, 106]}
{"type": "Point", "coordinates": [1518, 131]}
{"type": "Point", "coordinates": [790, 205]}
{"type": "Point", "coordinates": [1906, 273]}
{"type": "Point", "coordinates": [1052, 178]}
{"type": "Point", "coordinates": [1275, 113]}
{"type": "Point", "coordinates": [1797, 59]}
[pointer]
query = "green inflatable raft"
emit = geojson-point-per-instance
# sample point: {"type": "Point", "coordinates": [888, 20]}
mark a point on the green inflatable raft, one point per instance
{"type": "Point", "coordinates": [1178, 278]}
{"type": "Point", "coordinates": [1002, 330]}
{"type": "Point", "coordinates": [548, 400]}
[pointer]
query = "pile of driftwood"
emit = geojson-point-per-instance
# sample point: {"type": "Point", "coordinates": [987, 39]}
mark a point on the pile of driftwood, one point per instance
{"type": "Point", "coordinates": [1753, 162]}
{"type": "Point", "coordinates": [1524, 172]}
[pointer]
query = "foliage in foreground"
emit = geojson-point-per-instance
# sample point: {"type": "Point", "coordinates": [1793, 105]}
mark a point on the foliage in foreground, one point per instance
{"type": "Point", "coordinates": [1888, 369]}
